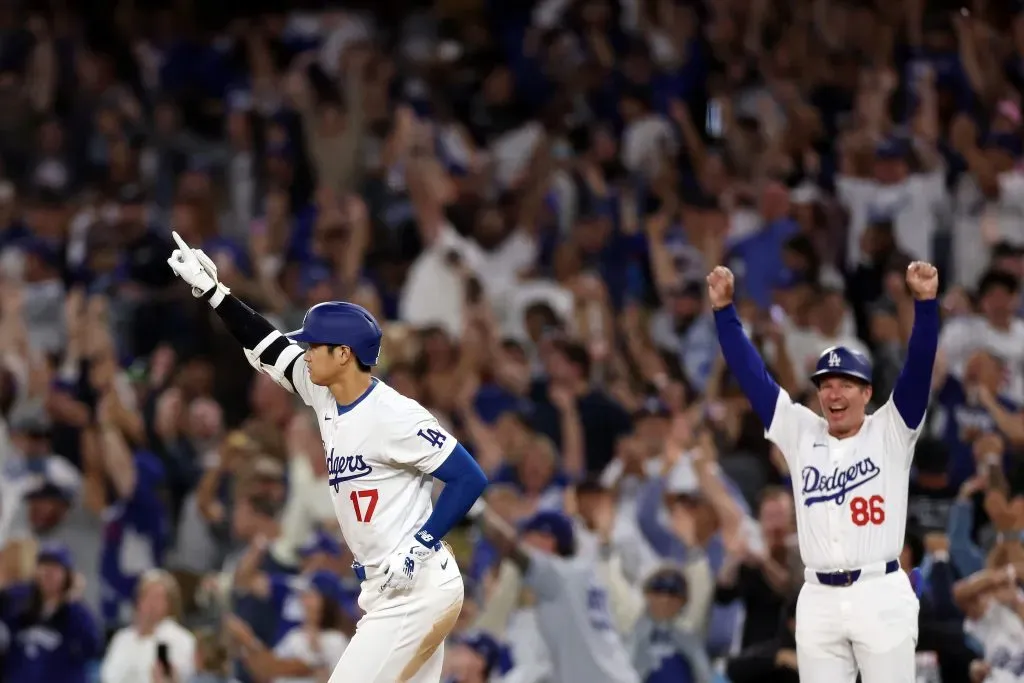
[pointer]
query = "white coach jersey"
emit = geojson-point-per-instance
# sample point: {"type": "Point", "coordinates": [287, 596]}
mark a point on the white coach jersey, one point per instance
{"type": "Point", "coordinates": [381, 451]}
{"type": "Point", "coordinates": [851, 494]}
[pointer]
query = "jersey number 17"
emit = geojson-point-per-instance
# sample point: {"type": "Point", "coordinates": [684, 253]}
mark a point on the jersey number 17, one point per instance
{"type": "Point", "coordinates": [364, 513]}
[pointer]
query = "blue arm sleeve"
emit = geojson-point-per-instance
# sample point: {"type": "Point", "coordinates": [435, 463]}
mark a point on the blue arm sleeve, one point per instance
{"type": "Point", "coordinates": [910, 395]}
{"type": "Point", "coordinates": [662, 541]}
{"type": "Point", "coordinates": [464, 481]}
{"type": "Point", "coordinates": [746, 365]}
{"type": "Point", "coordinates": [966, 557]}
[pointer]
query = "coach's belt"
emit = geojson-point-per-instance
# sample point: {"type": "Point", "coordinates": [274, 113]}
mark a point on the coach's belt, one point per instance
{"type": "Point", "coordinates": [849, 577]}
{"type": "Point", "coordinates": [362, 572]}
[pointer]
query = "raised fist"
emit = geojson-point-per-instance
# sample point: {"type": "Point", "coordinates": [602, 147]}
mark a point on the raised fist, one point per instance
{"type": "Point", "coordinates": [923, 280]}
{"type": "Point", "coordinates": [721, 284]}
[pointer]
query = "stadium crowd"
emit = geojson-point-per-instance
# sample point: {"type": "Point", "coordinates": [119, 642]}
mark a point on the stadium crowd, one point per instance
{"type": "Point", "coordinates": [528, 195]}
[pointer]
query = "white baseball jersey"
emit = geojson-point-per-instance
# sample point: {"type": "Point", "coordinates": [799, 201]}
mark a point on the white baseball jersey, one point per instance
{"type": "Point", "coordinates": [381, 451]}
{"type": "Point", "coordinates": [851, 494]}
{"type": "Point", "coordinates": [1001, 634]}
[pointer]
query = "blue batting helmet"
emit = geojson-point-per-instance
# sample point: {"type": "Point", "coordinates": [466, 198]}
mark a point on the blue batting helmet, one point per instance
{"type": "Point", "coordinates": [556, 525]}
{"type": "Point", "coordinates": [340, 323]}
{"type": "Point", "coordinates": [839, 360]}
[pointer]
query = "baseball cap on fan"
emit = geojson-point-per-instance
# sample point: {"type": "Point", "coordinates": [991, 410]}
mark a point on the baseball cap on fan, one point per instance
{"type": "Point", "coordinates": [320, 542]}
{"type": "Point", "coordinates": [57, 553]}
{"type": "Point", "coordinates": [57, 478]}
{"type": "Point", "coordinates": [556, 525]}
{"type": "Point", "coordinates": [484, 645]}
{"type": "Point", "coordinates": [667, 581]}
{"type": "Point", "coordinates": [652, 407]}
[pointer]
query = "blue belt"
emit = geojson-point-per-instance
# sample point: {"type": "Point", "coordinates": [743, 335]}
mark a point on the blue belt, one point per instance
{"type": "Point", "coordinates": [848, 578]}
{"type": "Point", "coordinates": [360, 570]}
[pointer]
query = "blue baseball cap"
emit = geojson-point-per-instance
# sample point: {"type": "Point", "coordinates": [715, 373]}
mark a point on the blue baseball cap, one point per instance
{"type": "Point", "coordinates": [555, 524]}
{"type": "Point", "coordinates": [56, 553]}
{"type": "Point", "coordinates": [313, 275]}
{"type": "Point", "coordinates": [892, 148]}
{"type": "Point", "coordinates": [668, 580]}
{"type": "Point", "coordinates": [839, 360]}
{"type": "Point", "coordinates": [484, 645]}
{"type": "Point", "coordinates": [320, 542]}
{"type": "Point", "coordinates": [328, 585]}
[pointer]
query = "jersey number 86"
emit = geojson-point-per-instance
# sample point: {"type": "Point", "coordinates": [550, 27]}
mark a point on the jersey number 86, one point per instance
{"type": "Point", "coordinates": [864, 511]}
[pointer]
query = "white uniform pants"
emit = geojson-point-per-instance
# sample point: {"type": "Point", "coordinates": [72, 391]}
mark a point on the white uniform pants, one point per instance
{"type": "Point", "coordinates": [870, 625]}
{"type": "Point", "coordinates": [400, 638]}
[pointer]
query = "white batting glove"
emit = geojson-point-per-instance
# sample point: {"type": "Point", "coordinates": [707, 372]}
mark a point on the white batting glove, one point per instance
{"type": "Point", "coordinates": [197, 270]}
{"type": "Point", "coordinates": [401, 568]}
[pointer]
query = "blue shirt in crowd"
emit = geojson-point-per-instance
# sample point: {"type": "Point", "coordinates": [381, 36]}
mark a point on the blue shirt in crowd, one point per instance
{"type": "Point", "coordinates": [58, 647]}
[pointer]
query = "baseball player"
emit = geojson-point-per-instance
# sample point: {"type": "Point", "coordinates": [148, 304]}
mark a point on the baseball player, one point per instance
{"type": "Point", "coordinates": [850, 477]}
{"type": "Point", "coordinates": [383, 451]}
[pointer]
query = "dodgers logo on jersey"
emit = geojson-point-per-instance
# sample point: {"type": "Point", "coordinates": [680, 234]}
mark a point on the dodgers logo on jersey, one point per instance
{"type": "Point", "coordinates": [39, 640]}
{"type": "Point", "coordinates": [597, 609]}
{"type": "Point", "coordinates": [345, 468]}
{"type": "Point", "coordinates": [819, 488]}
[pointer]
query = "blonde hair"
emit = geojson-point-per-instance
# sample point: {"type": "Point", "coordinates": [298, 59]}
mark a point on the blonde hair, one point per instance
{"type": "Point", "coordinates": [211, 652]}
{"type": "Point", "coordinates": [171, 588]}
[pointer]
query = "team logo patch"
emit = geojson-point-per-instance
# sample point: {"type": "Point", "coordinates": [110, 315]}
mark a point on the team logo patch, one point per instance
{"type": "Point", "coordinates": [344, 468]}
{"type": "Point", "coordinates": [819, 488]}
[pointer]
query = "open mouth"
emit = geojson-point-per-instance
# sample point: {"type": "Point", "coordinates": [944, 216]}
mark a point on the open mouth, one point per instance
{"type": "Point", "coordinates": [837, 411]}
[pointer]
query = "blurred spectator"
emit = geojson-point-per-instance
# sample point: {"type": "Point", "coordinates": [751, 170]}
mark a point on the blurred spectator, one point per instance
{"type": "Point", "coordinates": [212, 660]}
{"type": "Point", "coordinates": [763, 578]}
{"type": "Point", "coordinates": [772, 660]}
{"type": "Point", "coordinates": [48, 633]}
{"type": "Point", "coordinates": [475, 657]}
{"type": "Point", "coordinates": [309, 648]}
{"type": "Point", "coordinates": [660, 649]}
{"type": "Point", "coordinates": [155, 637]}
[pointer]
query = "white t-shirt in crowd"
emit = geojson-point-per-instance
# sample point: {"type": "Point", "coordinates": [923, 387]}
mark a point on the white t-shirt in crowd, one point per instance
{"type": "Point", "coordinates": [296, 645]}
{"type": "Point", "coordinates": [1001, 634]}
{"type": "Point", "coordinates": [500, 269]}
{"type": "Point", "coordinates": [971, 238]}
{"type": "Point", "coordinates": [130, 656]}
{"type": "Point", "coordinates": [531, 292]}
{"type": "Point", "coordinates": [961, 337]}
{"type": "Point", "coordinates": [914, 206]}
{"type": "Point", "coordinates": [434, 293]}
{"type": "Point", "coordinates": [529, 653]}
{"type": "Point", "coordinates": [645, 142]}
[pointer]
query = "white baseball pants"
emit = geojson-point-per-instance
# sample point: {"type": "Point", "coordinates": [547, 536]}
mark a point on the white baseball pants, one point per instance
{"type": "Point", "coordinates": [400, 638]}
{"type": "Point", "coordinates": [870, 625]}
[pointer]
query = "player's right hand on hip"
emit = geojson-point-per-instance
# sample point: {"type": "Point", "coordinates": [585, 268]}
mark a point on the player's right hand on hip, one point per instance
{"type": "Point", "coordinates": [194, 267]}
{"type": "Point", "coordinates": [721, 285]}
{"type": "Point", "coordinates": [403, 566]}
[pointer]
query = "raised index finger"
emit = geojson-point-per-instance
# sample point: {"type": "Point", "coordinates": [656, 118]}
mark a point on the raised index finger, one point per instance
{"type": "Point", "coordinates": [181, 243]}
